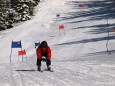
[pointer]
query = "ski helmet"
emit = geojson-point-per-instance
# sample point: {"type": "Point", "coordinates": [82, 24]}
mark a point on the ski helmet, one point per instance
{"type": "Point", "coordinates": [44, 44]}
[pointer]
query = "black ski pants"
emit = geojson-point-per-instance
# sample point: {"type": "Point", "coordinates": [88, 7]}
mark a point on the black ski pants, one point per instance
{"type": "Point", "coordinates": [48, 62]}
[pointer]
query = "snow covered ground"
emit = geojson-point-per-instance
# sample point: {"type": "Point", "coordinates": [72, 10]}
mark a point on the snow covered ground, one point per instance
{"type": "Point", "coordinates": [79, 58]}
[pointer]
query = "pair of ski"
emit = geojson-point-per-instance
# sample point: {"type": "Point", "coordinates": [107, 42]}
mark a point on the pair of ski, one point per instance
{"type": "Point", "coordinates": [46, 70]}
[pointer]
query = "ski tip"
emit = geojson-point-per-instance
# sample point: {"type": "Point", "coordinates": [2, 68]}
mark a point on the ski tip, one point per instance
{"type": "Point", "coordinates": [45, 70]}
{"type": "Point", "coordinates": [40, 71]}
{"type": "Point", "coordinates": [49, 70]}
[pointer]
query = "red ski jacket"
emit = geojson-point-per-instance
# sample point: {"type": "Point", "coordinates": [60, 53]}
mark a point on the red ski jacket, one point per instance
{"type": "Point", "coordinates": [40, 52]}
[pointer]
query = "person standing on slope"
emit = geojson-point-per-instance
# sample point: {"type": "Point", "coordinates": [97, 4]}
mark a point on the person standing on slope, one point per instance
{"type": "Point", "coordinates": [43, 51]}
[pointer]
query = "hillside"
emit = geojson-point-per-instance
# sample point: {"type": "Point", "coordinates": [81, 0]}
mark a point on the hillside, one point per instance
{"type": "Point", "coordinates": [83, 56]}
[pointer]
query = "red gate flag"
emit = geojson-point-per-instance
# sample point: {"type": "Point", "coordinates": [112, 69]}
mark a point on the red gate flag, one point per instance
{"type": "Point", "coordinates": [61, 26]}
{"type": "Point", "coordinates": [81, 5]}
{"type": "Point", "coordinates": [22, 52]}
{"type": "Point", "coordinates": [114, 29]}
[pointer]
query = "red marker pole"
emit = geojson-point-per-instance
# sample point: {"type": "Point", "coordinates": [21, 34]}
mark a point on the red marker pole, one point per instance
{"type": "Point", "coordinates": [114, 29]}
{"type": "Point", "coordinates": [81, 6]}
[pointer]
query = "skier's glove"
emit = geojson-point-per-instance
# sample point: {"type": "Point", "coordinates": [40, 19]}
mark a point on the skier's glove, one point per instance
{"type": "Point", "coordinates": [44, 59]}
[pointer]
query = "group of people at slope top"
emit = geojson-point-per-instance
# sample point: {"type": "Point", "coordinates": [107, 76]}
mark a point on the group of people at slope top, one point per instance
{"type": "Point", "coordinates": [43, 53]}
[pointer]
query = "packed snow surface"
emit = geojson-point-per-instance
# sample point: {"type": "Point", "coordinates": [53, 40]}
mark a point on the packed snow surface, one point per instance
{"type": "Point", "coordinates": [82, 55]}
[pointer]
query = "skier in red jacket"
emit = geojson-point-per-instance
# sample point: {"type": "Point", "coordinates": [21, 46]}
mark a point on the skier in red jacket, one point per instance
{"type": "Point", "coordinates": [43, 51]}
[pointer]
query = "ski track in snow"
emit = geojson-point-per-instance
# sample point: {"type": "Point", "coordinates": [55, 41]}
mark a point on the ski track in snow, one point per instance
{"type": "Point", "coordinates": [79, 58]}
{"type": "Point", "coordinates": [82, 75]}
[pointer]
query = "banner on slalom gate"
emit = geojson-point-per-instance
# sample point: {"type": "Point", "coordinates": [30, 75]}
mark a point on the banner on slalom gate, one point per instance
{"type": "Point", "coordinates": [114, 29]}
{"type": "Point", "coordinates": [61, 26]}
{"type": "Point", "coordinates": [81, 5]}
{"type": "Point", "coordinates": [37, 44]}
{"type": "Point", "coordinates": [16, 44]}
{"type": "Point", "coordinates": [22, 52]}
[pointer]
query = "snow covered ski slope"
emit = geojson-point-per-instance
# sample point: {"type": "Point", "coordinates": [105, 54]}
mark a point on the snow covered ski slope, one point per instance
{"type": "Point", "coordinates": [79, 57]}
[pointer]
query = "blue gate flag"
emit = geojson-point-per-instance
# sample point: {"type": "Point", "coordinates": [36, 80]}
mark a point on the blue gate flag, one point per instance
{"type": "Point", "coordinates": [16, 44]}
{"type": "Point", "coordinates": [37, 44]}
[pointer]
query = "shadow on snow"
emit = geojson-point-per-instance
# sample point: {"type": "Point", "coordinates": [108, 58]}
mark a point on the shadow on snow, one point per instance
{"type": "Point", "coordinates": [25, 70]}
{"type": "Point", "coordinates": [99, 10]}
{"type": "Point", "coordinates": [88, 40]}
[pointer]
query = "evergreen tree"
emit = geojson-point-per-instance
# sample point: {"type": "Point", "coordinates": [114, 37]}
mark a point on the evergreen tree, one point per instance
{"type": "Point", "coordinates": [12, 11]}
